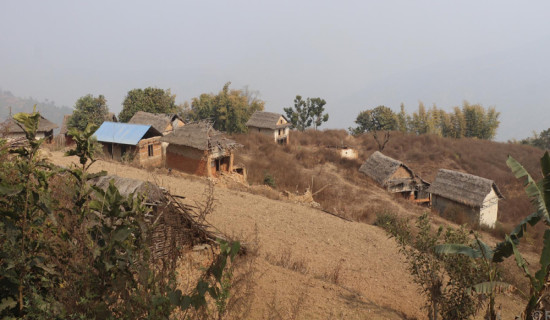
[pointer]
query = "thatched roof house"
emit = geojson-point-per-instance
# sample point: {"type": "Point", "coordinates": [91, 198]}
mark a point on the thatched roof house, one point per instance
{"type": "Point", "coordinates": [394, 175]}
{"type": "Point", "coordinates": [164, 123]}
{"type": "Point", "coordinates": [456, 192]}
{"type": "Point", "coordinates": [9, 129]}
{"type": "Point", "coordinates": [198, 148]}
{"type": "Point", "coordinates": [270, 123]}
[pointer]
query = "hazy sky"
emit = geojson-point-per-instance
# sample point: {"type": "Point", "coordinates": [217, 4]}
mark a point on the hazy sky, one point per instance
{"type": "Point", "coordinates": [354, 54]}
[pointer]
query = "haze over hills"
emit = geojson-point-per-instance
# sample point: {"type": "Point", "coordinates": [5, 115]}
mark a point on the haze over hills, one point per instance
{"type": "Point", "coordinates": [513, 81]}
{"type": "Point", "coordinates": [48, 109]}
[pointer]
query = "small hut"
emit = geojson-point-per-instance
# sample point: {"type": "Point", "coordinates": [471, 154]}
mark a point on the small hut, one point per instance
{"type": "Point", "coordinates": [346, 152]}
{"type": "Point", "coordinates": [270, 123]}
{"type": "Point", "coordinates": [132, 142]}
{"type": "Point", "coordinates": [175, 224]}
{"type": "Point", "coordinates": [9, 129]}
{"type": "Point", "coordinates": [395, 176]}
{"type": "Point", "coordinates": [456, 192]}
{"type": "Point", "coordinates": [199, 149]}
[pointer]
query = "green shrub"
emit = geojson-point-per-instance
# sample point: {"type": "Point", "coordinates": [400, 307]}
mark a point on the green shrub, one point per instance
{"type": "Point", "coordinates": [85, 254]}
{"type": "Point", "coordinates": [269, 180]}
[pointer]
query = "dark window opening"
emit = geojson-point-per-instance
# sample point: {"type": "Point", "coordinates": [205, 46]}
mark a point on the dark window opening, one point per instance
{"type": "Point", "coordinates": [221, 164]}
{"type": "Point", "coordinates": [150, 150]}
{"type": "Point", "coordinates": [122, 150]}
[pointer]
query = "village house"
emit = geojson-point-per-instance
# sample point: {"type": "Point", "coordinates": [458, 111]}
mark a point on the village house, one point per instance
{"type": "Point", "coordinates": [65, 139]}
{"type": "Point", "coordinates": [199, 149]}
{"type": "Point", "coordinates": [270, 123]}
{"type": "Point", "coordinates": [9, 129]}
{"type": "Point", "coordinates": [131, 142]}
{"type": "Point", "coordinates": [395, 177]}
{"type": "Point", "coordinates": [164, 123]}
{"type": "Point", "coordinates": [456, 192]}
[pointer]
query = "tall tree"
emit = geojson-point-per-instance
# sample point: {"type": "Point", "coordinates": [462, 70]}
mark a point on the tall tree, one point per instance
{"type": "Point", "coordinates": [377, 119]}
{"type": "Point", "coordinates": [458, 123]}
{"type": "Point", "coordinates": [229, 110]}
{"type": "Point", "coordinates": [480, 123]}
{"type": "Point", "coordinates": [434, 121]}
{"type": "Point", "coordinates": [150, 99]}
{"type": "Point", "coordinates": [317, 107]}
{"type": "Point", "coordinates": [307, 112]}
{"type": "Point", "coordinates": [402, 116]}
{"type": "Point", "coordinates": [420, 121]}
{"type": "Point", "coordinates": [300, 116]}
{"type": "Point", "coordinates": [88, 110]}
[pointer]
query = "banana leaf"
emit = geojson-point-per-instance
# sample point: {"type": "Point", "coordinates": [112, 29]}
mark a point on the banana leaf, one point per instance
{"type": "Point", "coordinates": [453, 248]}
{"type": "Point", "coordinates": [493, 287]}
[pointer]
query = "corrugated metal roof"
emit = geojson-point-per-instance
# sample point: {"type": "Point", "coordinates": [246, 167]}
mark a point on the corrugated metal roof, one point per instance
{"type": "Point", "coordinates": [122, 133]}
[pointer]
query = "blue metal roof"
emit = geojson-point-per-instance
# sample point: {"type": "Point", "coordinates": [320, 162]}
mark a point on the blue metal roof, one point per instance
{"type": "Point", "coordinates": [123, 133]}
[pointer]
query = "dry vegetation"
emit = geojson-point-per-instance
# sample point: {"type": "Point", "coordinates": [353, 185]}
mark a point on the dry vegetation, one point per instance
{"type": "Point", "coordinates": [307, 163]}
{"type": "Point", "coordinates": [334, 269]}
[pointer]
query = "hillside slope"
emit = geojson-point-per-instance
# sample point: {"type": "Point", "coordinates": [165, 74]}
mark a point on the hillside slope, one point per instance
{"type": "Point", "coordinates": [299, 251]}
{"type": "Point", "coordinates": [294, 166]}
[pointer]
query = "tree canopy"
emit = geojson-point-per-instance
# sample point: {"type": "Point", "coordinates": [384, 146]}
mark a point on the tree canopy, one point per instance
{"type": "Point", "coordinates": [379, 118]}
{"type": "Point", "coordinates": [150, 99]}
{"type": "Point", "coordinates": [540, 140]}
{"type": "Point", "coordinates": [88, 110]}
{"type": "Point", "coordinates": [229, 110]}
{"type": "Point", "coordinates": [307, 113]}
{"type": "Point", "coordinates": [470, 121]}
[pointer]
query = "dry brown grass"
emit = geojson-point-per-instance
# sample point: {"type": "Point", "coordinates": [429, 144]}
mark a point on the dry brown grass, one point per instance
{"type": "Point", "coordinates": [285, 259]}
{"type": "Point", "coordinates": [306, 162]}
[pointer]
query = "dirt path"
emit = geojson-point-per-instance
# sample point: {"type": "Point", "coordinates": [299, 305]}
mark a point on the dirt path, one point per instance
{"type": "Point", "coordinates": [372, 280]}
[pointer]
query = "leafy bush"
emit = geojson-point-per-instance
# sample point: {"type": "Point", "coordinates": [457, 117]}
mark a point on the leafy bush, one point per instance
{"type": "Point", "coordinates": [69, 250]}
{"type": "Point", "coordinates": [444, 280]}
{"type": "Point", "coordinates": [269, 180]}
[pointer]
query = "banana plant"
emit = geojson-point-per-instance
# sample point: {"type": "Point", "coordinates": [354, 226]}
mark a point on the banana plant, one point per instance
{"type": "Point", "coordinates": [480, 250]}
{"type": "Point", "coordinates": [539, 194]}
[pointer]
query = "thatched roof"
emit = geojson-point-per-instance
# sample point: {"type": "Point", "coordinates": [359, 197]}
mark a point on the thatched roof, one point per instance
{"type": "Point", "coordinates": [64, 128]}
{"type": "Point", "coordinates": [126, 186]}
{"type": "Point", "coordinates": [269, 120]}
{"type": "Point", "coordinates": [462, 187]}
{"type": "Point", "coordinates": [200, 136]}
{"type": "Point", "coordinates": [11, 126]}
{"type": "Point", "coordinates": [159, 121]}
{"type": "Point", "coordinates": [111, 117]}
{"type": "Point", "coordinates": [381, 168]}
{"type": "Point", "coordinates": [176, 225]}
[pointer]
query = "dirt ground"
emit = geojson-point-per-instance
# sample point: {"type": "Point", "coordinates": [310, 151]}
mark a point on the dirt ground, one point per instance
{"type": "Point", "coordinates": [372, 281]}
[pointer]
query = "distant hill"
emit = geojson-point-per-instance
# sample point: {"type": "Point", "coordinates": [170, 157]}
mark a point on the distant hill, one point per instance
{"type": "Point", "coordinates": [47, 108]}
